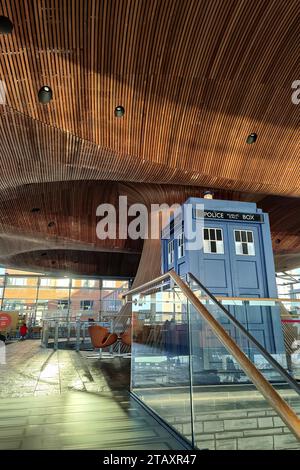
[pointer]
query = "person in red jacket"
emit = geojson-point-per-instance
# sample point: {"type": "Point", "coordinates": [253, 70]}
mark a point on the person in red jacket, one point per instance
{"type": "Point", "coordinates": [23, 331]}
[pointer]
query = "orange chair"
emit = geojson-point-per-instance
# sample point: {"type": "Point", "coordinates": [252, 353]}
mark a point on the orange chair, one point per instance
{"type": "Point", "coordinates": [101, 337]}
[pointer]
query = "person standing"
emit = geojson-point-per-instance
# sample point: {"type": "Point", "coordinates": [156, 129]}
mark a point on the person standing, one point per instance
{"type": "Point", "coordinates": [23, 331]}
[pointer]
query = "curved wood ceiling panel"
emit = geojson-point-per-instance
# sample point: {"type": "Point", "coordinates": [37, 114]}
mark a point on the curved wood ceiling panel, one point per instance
{"type": "Point", "coordinates": [195, 78]}
{"type": "Point", "coordinates": [25, 236]}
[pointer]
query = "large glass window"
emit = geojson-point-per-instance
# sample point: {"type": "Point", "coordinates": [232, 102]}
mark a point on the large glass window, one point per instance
{"type": "Point", "coordinates": [21, 281]}
{"type": "Point", "coordinates": [86, 304]}
{"type": "Point", "coordinates": [37, 297]}
{"type": "Point", "coordinates": [54, 282]}
{"type": "Point", "coordinates": [213, 240]}
{"type": "Point", "coordinates": [244, 242]}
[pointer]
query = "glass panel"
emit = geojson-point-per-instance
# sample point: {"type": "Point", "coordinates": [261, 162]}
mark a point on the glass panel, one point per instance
{"type": "Point", "coordinates": [206, 237]}
{"type": "Point", "coordinates": [111, 300]}
{"type": "Point", "coordinates": [213, 247]}
{"type": "Point", "coordinates": [2, 278]}
{"type": "Point", "coordinates": [20, 305]}
{"type": "Point", "coordinates": [251, 250]}
{"type": "Point", "coordinates": [250, 314]}
{"type": "Point", "coordinates": [237, 235]}
{"type": "Point", "coordinates": [220, 247]}
{"type": "Point", "coordinates": [206, 246]}
{"type": "Point", "coordinates": [53, 293]}
{"type": "Point", "coordinates": [55, 282]}
{"type": "Point", "coordinates": [21, 292]}
{"type": "Point", "coordinates": [243, 234]}
{"type": "Point", "coordinates": [21, 281]}
{"type": "Point", "coordinates": [81, 298]}
{"type": "Point", "coordinates": [212, 234]}
{"type": "Point", "coordinates": [250, 237]}
{"type": "Point", "coordinates": [89, 283]}
{"type": "Point", "coordinates": [219, 234]}
{"type": "Point", "coordinates": [245, 248]}
{"type": "Point", "coordinates": [160, 357]}
{"type": "Point", "coordinates": [179, 363]}
{"type": "Point", "coordinates": [228, 415]}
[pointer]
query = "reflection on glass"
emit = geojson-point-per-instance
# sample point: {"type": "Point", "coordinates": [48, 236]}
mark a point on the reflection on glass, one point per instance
{"type": "Point", "coordinates": [184, 373]}
{"type": "Point", "coordinates": [55, 282]}
{"type": "Point", "coordinates": [88, 283]}
{"type": "Point", "coordinates": [160, 357]}
{"type": "Point", "coordinates": [21, 281]}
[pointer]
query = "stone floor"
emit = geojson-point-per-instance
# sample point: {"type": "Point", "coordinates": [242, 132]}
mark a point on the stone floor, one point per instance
{"type": "Point", "coordinates": [61, 400]}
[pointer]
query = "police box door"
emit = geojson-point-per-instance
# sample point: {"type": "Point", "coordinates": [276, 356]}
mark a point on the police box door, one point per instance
{"type": "Point", "coordinates": [248, 279]}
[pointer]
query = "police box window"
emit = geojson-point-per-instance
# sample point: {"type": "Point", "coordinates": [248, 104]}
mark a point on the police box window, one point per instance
{"type": "Point", "coordinates": [244, 242]}
{"type": "Point", "coordinates": [181, 245]}
{"type": "Point", "coordinates": [213, 240]}
{"type": "Point", "coordinates": [171, 252]}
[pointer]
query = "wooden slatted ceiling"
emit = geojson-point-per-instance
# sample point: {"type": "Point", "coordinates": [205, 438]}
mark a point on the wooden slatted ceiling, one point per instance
{"type": "Point", "coordinates": [195, 78]}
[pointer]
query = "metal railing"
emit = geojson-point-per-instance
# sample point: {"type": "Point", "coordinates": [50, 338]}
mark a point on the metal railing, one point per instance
{"type": "Point", "coordinates": [60, 333]}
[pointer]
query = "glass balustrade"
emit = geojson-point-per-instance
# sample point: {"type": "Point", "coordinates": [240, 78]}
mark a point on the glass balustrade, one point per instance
{"type": "Point", "coordinates": [249, 315]}
{"type": "Point", "coordinates": [190, 379]}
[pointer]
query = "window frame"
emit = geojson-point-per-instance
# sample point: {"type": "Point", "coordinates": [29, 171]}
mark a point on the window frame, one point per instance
{"type": "Point", "coordinates": [171, 252]}
{"type": "Point", "coordinates": [241, 242]}
{"type": "Point", "coordinates": [180, 246]}
{"type": "Point", "coordinates": [209, 240]}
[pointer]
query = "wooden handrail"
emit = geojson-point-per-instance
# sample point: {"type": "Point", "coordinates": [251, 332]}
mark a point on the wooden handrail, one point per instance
{"type": "Point", "coordinates": [271, 395]}
{"type": "Point", "coordinates": [147, 285]}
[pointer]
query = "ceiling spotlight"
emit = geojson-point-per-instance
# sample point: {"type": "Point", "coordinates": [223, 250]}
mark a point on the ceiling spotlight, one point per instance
{"type": "Point", "coordinates": [119, 111]}
{"type": "Point", "coordinates": [44, 254]}
{"type": "Point", "coordinates": [251, 138]}
{"type": "Point", "coordinates": [51, 224]}
{"type": "Point", "coordinates": [6, 25]}
{"type": "Point", "coordinates": [35, 209]}
{"type": "Point", "coordinates": [208, 195]}
{"type": "Point", "coordinates": [277, 241]}
{"type": "Point", "coordinates": [45, 94]}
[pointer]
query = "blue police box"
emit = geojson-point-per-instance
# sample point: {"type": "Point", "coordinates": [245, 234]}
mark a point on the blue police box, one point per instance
{"type": "Point", "coordinates": [235, 259]}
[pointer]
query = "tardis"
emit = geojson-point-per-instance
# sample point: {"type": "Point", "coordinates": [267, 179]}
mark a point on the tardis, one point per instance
{"type": "Point", "coordinates": [235, 259]}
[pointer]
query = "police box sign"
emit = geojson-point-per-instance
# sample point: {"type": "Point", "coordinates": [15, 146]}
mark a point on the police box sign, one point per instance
{"type": "Point", "coordinates": [220, 215]}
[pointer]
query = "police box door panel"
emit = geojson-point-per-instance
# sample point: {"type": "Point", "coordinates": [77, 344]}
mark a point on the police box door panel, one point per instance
{"type": "Point", "coordinates": [214, 264]}
{"type": "Point", "coordinates": [248, 278]}
{"type": "Point", "coordinates": [214, 267]}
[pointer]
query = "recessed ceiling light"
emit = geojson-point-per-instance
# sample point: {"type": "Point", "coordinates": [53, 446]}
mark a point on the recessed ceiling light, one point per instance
{"type": "Point", "coordinates": [119, 111]}
{"type": "Point", "coordinates": [44, 254]}
{"type": "Point", "coordinates": [35, 209]}
{"type": "Point", "coordinates": [45, 94]}
{"type": "Point", "coordinates": [278, 241]}
{"type": "Point", "coordinates": [251, 138]}
{"type": "Point", "coordinates": [6, 25]}
{"type": "Point", "coordinates": [51, 224]}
